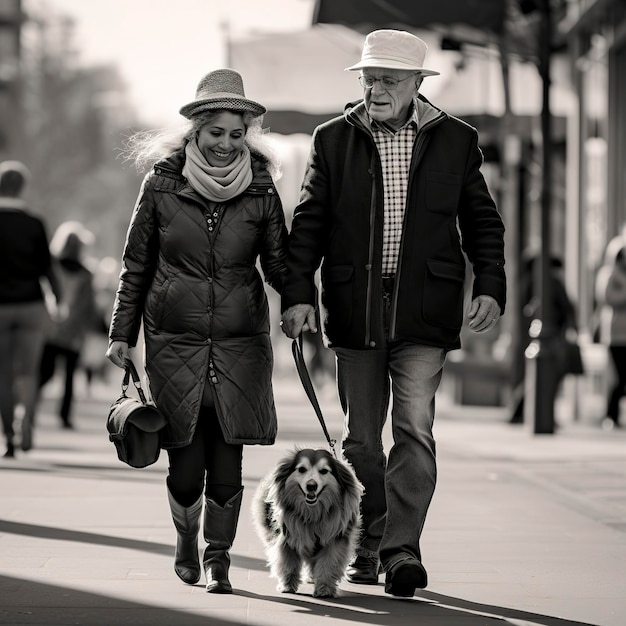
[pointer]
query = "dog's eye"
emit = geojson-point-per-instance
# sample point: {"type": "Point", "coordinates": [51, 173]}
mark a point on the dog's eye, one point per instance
{"type": "Point", "coordinates": [302, 470]}
{"type": "Point", "coordinates": [325, 470]}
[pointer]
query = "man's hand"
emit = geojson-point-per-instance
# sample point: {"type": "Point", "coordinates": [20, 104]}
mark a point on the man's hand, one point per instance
{"type": "Point", "coordinates": [298, 318]}
{"type": "Point", "coordinates": [483, 314]}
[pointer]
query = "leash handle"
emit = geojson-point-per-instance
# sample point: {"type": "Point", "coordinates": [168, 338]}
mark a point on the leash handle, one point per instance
{"type": "Point", "coordinates": [303, 372]}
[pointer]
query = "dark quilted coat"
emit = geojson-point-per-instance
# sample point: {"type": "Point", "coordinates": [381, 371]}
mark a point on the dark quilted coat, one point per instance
{"type": "Point", "coordinates": [190, 272]}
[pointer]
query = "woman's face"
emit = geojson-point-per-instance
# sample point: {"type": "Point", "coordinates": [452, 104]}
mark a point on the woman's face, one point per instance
{"type": "Point", "coordinates": [222, 139]}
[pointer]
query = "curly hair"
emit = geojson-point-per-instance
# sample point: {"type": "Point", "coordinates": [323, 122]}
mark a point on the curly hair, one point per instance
{"type": "Point", "coordinates": [146, 147]}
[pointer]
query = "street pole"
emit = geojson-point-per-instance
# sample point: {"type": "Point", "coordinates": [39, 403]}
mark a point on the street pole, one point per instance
{"type": "Point", "coordinates": [542, 352]}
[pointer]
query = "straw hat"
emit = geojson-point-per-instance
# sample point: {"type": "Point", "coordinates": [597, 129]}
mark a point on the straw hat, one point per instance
{"type": "Point", "coordinates": [221, 89]}
{"type": "Point", "coordinates": [395, 50]}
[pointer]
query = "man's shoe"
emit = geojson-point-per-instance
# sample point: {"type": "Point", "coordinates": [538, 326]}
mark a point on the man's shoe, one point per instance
{"type": "Point", "coordinates": [363, 570]}
{"type": "Point", "coordinates": [405, 577]}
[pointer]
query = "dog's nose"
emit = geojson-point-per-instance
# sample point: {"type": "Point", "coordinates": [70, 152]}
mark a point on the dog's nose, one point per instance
{"type": "Point", "coordinates": [311, 485]}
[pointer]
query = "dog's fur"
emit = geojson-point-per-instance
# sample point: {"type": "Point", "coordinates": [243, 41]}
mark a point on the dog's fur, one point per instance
{"type": "Point", "coordinates": [307, 513]}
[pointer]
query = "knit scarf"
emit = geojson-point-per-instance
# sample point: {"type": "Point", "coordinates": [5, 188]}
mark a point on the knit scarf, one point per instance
{"type": "Point", "coordinates": [217, 183]}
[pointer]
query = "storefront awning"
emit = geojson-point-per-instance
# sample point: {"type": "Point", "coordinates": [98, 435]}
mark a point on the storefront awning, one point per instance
{"type": "Point", "coordinates": [364, 15]}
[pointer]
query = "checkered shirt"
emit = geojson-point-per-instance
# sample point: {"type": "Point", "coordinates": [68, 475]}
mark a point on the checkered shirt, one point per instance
{"type": "Point", "coordinates": [395, 150]}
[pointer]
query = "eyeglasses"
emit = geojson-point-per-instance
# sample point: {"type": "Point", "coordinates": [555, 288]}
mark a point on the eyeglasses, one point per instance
{"type": "Point", "coordinates": [386, 82]}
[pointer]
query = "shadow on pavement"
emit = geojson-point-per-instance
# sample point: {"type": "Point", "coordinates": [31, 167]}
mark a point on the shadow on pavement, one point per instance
{"type": "Point", "coordinates": [28, 602]}
{"type": "Point", "coordinates": [61, 534]}
{"type": "Point", "coordinates": [426, 608]}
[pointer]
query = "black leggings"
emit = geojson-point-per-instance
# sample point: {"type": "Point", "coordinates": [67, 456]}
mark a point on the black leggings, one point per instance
{"type": "Point", "coordinates": [207, 458]}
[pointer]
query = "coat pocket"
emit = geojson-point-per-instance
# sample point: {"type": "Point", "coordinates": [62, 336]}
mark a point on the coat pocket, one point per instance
{"type": "Point", "coordinates": [155, 303]}
{"type": "Point", "coordinates": [442, 192]}
{"type": "Point", "coordinates": [443, 294]}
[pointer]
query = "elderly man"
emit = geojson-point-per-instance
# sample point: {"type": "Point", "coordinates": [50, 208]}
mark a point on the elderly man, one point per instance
{"type": "Point", "coordinates": [392, 197]}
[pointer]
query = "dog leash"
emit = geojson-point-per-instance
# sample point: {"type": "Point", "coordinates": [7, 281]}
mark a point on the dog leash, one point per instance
{"type": "Point", "coordinates": [303, 372]}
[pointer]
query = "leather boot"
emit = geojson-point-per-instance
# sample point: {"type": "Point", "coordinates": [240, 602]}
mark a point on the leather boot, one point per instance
{"type": "Point", "coordinates": [220, 526]}
{"type": "Point", "coordinates": [187, 523]}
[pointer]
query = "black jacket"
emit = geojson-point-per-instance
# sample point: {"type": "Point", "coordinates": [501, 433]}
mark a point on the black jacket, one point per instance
{"type": "Point", "coordinates": [339, 223]}
{"type": "Point", "coordinates": [24, 254]}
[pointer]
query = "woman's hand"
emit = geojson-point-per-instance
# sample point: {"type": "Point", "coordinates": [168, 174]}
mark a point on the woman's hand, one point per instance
{"type": "Point", "coordinates": [118, 353]}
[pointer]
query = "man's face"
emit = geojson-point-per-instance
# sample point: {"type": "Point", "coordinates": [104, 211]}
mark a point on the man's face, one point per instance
{"type": "Point", "coordinates": [390, 104]}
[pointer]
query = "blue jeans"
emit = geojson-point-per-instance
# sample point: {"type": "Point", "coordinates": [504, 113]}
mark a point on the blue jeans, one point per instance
{"type": "Point", "coordinates": [398, 490]}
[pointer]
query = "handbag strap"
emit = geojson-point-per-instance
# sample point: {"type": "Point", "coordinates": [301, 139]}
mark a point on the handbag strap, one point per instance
{"type": "Point", "coordinates": [131, 371]}
{"type": "Point", "coordinates": [303, 372]}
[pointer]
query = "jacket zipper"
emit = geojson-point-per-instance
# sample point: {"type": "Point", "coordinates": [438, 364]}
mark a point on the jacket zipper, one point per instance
{"type": "Point", "coordinates": [370, 253]}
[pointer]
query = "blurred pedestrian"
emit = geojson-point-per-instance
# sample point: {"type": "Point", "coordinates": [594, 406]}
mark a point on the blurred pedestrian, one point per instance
{"type": "Point", "coordinates": [93, 356]}
{"type": "Point", "coordinates": [76, 314]}
{"type": "Point", "coordinates": [565, 325]}
{"type": "Point", "coordinates": [24, 261]}
{"type": "Point", "coordinates": [615, 298]}
{"type": "Point", "coordinates": [392, 195]}
{"type": "Point", "coordinates": [206, 213]}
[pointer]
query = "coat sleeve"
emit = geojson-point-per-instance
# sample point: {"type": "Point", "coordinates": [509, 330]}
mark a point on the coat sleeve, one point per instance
{"type": "Point", "coordinates": [138, 263]}
{"type": "Point", "coordinates": [308, 231]}
{"type": "Point", "coordinates": [274, 251]}
{"type": "Point", "coordinates": [482, 230]}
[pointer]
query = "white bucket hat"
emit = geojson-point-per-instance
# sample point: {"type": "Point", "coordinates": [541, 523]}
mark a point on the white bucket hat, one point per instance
{"type": "Point", "coordinates": [395, 50]}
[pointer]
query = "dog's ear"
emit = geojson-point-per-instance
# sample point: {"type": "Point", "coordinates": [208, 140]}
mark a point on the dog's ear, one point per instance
{"type": "Point", "coordinates": [346, 477]}
{"type": "Point", "coordinates": [285, 467]}
{"type": "Point", "coordinates": [276, 479]}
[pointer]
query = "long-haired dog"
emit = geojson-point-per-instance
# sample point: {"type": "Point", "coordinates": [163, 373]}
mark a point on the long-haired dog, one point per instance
{"type": "Point", "coordinates": [307, 513]}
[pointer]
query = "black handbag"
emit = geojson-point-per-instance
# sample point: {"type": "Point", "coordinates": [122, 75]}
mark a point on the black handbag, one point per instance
{"type": "Point", "coordinates": [134, 425]}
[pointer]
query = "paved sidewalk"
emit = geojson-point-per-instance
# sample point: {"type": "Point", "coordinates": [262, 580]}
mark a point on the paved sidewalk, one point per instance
{"type": "Point", "coordinates": [524, 529]}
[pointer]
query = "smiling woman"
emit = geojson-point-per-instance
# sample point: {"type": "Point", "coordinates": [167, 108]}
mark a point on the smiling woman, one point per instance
{"type": "Point", "coordinates": [221, 139]}
{"type": "Point", "coordinates": [206, 218]}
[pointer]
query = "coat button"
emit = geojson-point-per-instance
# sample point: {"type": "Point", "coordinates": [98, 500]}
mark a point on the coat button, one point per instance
{"type": "Point", "coordinates": [214, 379]}
{"type": "Point", "coordinates": [372, 344]}
{"type": "Point", "coordinates": [368, 267]}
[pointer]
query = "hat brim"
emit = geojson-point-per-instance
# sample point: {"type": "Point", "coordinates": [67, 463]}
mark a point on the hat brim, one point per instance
{"type": "Point", "coordinates": [390, 65]}
{"type": "Point", "coordinates": [224, 103]}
